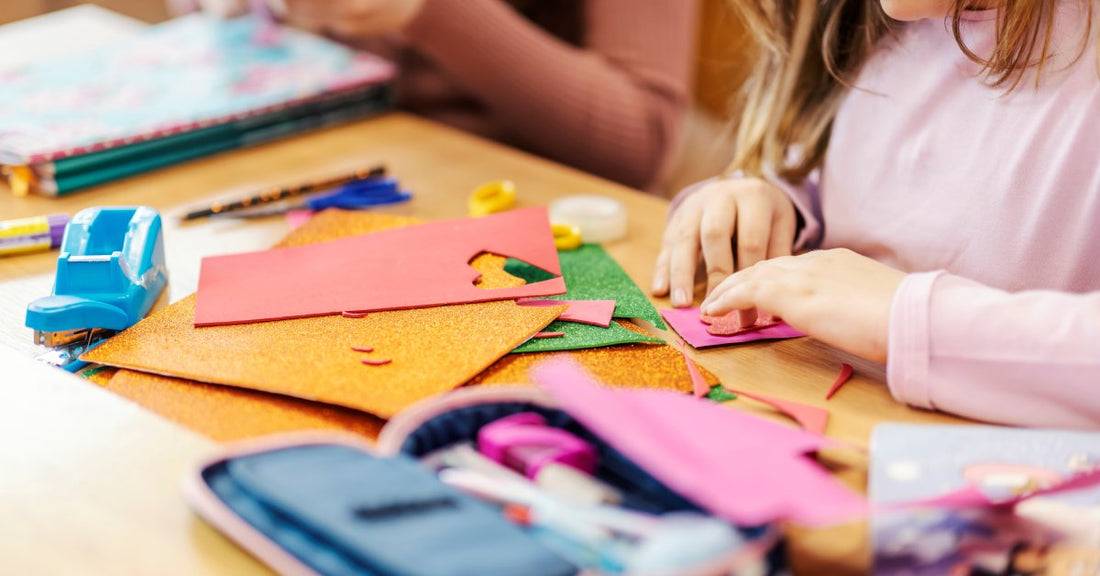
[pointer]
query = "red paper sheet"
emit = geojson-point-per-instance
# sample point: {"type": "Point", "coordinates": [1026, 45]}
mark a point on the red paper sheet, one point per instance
{"type": "Point", "coordinates": [413, 267]}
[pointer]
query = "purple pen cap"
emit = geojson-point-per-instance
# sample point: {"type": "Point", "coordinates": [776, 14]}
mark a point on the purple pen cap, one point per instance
{"type": "Point", "coordinates": [57, 228]}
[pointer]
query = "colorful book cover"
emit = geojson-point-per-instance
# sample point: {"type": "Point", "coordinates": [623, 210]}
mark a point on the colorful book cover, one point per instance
{"type": "Point", "coordinates": [1049, 534]}
{"type": "Point", "coordinates": [187, 74]}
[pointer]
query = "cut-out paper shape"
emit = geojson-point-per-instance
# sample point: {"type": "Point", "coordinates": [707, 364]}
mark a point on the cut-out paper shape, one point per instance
{"type": "Point", "coordinates": [972, 496]}
{"type": "Point", "coordinates": [664, 367]}
{"type": "Point", "coordinates": [760, 474]}
{"type": "Point", "coordinates": [227, 414]}
{"type": "Point", "coordinates": [297, 218]}
{"type": "Point", "coordinates": [366, 349]}
{"type": "Point", "coordinates": [686, 323]}
{"type": "Point", "coordinates": [592, 274]}
{"type": "Point", "coordinates": [370, 362]}
{"type": "Point", "coordinates": [433, 350]}
{"type": "Point", "coordinates": [810, 418]}
{"type": "Point", "coordinates": [841, 379]}
{"type": "Point", "coordinates": [581, 336]}
{"type": "Point", "coordinates": [699, 385]}
{"type": "Point", "coordinates": [730, 324]}
{"type": "Point", "coordinates": [549, 335]}
{"type": "Point", "coordinates": [413, 267]}
{"type": "Point", "coordinates": [594, 312]}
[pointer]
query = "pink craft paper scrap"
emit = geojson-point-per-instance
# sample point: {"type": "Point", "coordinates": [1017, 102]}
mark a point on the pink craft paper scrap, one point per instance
{"type": "Point", "coordinates": [973, 497]}
{"type": "Point", "coordinates": [811, 418]}
{"type": "Point", "coordinates": [686, 323]}
{"type": "Point", "coordinates": [296, 218]}
{"type": "Point", "coordinates": [743, 468]}
{"type": "Point", "coordinates": [594, 312]}
{"type": "Point", "coordinates": [411, 267]}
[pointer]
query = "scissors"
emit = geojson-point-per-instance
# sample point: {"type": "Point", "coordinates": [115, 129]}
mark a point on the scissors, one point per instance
{"type": "Point", "coordinates": [358, 195]}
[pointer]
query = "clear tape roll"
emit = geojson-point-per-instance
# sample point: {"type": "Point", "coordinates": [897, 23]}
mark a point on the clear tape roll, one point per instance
{"type": "Point", "coordinates": [600, 219]}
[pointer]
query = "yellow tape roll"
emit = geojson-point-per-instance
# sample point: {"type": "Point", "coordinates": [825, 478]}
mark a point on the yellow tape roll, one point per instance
{"type": "Point", "coordinates": [492, 198]}
{"type": "Point", "coordinates": [566, 236]}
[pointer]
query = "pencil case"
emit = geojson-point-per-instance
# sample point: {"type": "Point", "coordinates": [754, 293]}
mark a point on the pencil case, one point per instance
{"type": "Point", "coordinates": [333, 504]}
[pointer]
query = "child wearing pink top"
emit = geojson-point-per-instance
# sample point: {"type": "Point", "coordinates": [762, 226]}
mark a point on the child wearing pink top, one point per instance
{"type": "Point", "coordinates": [942, 164]}
{"type": "Point", "coordinates": [601, 85]}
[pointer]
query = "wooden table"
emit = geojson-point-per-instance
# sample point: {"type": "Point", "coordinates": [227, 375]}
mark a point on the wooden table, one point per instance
{"type": "Point", "coordinates": [89, 482]}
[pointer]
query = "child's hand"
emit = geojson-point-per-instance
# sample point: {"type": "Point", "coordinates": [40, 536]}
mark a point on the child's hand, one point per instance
{"type": "Point", "coordinates": [836, 296]}
{"type": "Point", "coordinates": [352, 19]}
{"type": "Point", "coordinates": [750, 213]}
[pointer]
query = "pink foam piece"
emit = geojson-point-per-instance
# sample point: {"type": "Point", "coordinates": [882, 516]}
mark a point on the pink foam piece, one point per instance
{"type": "Point", "coordinates": [811, 418]}
{"type": "Point", "coordinates": [594, 312]}
{"type": "Point", "coordinates": [972, 496]}
{"type": "Point", "coordinates": [548, 335]}
{"type": "Point", "coordinates": [686, 323]}
{"type": "Point", "coordinates": [411, 267]}
{"type": "Point", "coordinates": [749, 470]}
{"type": "Point", "coordinates": [699, 385]}
{"type": "Point", "coordinates": [842, 378]}
{"type": "Point", "coordinates": [730, 324]}
{"type": "Point", "coordinates": [295, 218]}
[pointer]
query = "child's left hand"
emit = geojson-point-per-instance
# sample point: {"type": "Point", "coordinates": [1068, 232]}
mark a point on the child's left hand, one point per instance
{"type": "Point", "coordinates": [352, 19]}
{"type": "Point", "coordinates": [836, 296]}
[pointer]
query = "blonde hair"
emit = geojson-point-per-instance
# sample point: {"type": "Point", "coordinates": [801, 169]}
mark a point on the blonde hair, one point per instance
{"type": "Point", "coordinates": [812, 51]}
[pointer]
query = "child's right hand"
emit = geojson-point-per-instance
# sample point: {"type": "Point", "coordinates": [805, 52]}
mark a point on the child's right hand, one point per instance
{"type": "Point", "coordinates": [747, 213]}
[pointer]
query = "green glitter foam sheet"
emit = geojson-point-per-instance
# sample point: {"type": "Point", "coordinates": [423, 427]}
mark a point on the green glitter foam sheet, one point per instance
{"type": "Point", "coordinates": [582, 336]}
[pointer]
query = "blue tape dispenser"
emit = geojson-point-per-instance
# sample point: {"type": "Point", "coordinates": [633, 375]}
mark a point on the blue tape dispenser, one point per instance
{"type": "Point", "coordinates": [109, 274]}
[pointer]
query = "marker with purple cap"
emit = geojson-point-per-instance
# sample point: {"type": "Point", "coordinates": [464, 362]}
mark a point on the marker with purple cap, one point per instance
{"type": "Point", "coordinates": [32, 234]}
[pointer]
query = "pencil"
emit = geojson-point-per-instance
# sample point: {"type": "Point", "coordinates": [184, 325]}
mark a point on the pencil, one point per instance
{"type": "Point", "coordinates": [282, 193]}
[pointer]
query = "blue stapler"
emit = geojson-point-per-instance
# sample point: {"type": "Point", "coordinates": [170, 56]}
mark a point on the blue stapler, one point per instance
{"type": "Point", "coordinates": [109, 274]}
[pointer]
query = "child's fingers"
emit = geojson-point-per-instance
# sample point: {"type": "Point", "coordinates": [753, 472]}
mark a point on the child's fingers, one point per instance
{"type": "Point", "coordinates": [781, 241]}
{"type": "Point", "coordinates": [754, 222]}
{"type": "Point", "coordinates": [732, 294]}
{"type": "Point", "coordinates": [716, 238]}
{"type": "Point", "coordinates": [660, 273]}
{"type": "Point", "coordinates": [683, 255]}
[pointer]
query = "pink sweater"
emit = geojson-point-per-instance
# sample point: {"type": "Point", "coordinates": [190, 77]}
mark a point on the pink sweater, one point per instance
{"type": "Point", "coordinates": [992, 203]}
{"type": "Point", "coordinates": [613, 107]}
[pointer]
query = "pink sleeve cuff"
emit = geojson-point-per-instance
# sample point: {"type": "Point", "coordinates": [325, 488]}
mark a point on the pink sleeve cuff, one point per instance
{"type": "Point", "coordinates": [908, 347]}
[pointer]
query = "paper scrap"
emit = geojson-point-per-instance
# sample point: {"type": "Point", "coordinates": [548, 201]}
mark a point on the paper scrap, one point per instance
{"type": "Point", "coordinates": [592, 274]}
{"type": "Point", "coordinates": [594, 312]}
{"type": "Point", "coordinates": [686, 323]}
{"type": "Point", "coordinates": [730, 324]}
{"type": "Point", "coordinates": [411, 267]}
{"type": "Point", "coordinates": [811, 418]}
{"type": "Point", "coordinates": [756, 472]}
{"type": "Point", "coordinates": [841, 379]}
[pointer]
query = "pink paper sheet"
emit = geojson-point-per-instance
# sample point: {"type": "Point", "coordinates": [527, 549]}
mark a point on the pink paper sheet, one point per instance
{"type": "Point", "coordinates": [686, 323]}
{"type": "Point", "coordinates": [594, 312]}
{"type": "Point", "coordinates": [411, 267]}
{"type": "Point", "coordinates": [745, 469]}
{"type": "Point", "coordinates": [973, 497]}
{"type": "Point", "coordinates": [811, 418]}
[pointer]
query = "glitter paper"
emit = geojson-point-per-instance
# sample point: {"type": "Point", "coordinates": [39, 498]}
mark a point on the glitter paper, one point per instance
{"type": "Point", "coordinates": [720, 394]}
{"type": "Point", "coordinates": [663, 367]}
{"type": "Point", "coordinates": [411, 267]}
{"type": "Point", "coordinates": [581, 336]}
{"type": "Point", "coordinates": [370, 362]}
{"type": "Point", "coordinates": [811, 418]}
{"type": "Point", "coordinates": [433, 349]}
{"type": "Point", "coordinates": [591, 274]}
{"type": "Point", "coordinates": [844, 376]}
{"type": "Point", "coordinates": [226, 414]}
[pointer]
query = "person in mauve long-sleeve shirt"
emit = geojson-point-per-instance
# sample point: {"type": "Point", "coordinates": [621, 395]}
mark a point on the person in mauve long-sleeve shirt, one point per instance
{"type": "Point", "coordinates": [601, 85]}
{"type": "Point", "coordinates": [981, 206]}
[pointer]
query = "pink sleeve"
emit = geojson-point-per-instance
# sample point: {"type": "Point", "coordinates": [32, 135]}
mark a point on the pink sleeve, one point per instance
{"type": "Point", "coordinates": [803, 196]}
{"type": "Point", "coordinates": [612, 108]}
{"type": "Point", "coordinates": [1027, 358]}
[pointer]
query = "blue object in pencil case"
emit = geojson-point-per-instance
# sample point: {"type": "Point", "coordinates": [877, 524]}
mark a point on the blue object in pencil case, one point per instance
{"type": "Point", "coordinates": [358, 195]}
{"type": "Point", "coordinates": [109, 274]}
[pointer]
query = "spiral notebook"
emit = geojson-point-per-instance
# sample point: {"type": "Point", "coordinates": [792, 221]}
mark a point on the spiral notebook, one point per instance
{"type": "Point", "coordinates": [176, 91]}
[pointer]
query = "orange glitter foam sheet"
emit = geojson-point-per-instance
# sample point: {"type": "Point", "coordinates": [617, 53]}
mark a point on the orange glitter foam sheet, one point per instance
{"type": "Point", "coordinates": [430, 350]}
{"type": "Point", "coordinates": [410, 267]}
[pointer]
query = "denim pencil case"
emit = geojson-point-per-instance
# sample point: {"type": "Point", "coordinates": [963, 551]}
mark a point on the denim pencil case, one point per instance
{"type": "Point", "coordinates": [332, 504]}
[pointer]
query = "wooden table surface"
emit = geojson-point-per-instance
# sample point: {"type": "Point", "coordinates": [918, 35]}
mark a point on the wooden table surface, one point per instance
{"type": "Point", "coordinates": [89, 483]}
